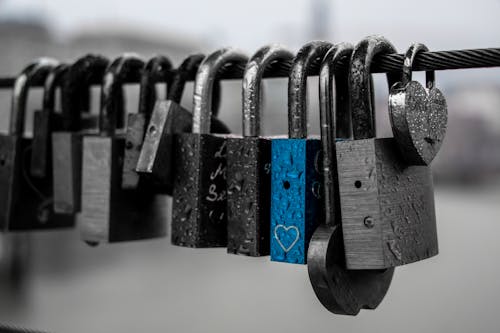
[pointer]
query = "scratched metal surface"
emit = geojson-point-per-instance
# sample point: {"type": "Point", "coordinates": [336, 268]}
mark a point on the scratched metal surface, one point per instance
{"type": "Point", "coordinates": [294, 197]}
{"type": "Point", "coordinates": [399, 199]}
{"type": "Point", "coordinates": [249, 189]}
{"type": "Point", "coordinates": [199, 206]}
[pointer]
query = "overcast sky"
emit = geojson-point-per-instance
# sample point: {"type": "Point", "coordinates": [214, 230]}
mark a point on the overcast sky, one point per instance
{"type": "Point", "coordinates": [444, 24]}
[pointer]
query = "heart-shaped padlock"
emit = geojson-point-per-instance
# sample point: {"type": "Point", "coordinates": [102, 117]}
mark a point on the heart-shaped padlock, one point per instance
{"type": "Point", "coordinates": [418, 115]}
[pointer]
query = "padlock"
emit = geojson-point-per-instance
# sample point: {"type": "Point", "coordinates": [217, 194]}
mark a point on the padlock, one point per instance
{"type": "Point", "coordinates": [341, 291]}
{"type": "Point", "coordinates": [110, 213]}
{"type": "Point", "coordinates": [249, 164]}
{"type": "Point", "coordinates": [418, 115]}
{"type": "Point", "coordinates": [67, 143]}
{"type": "Point", "coordinates": [388, 216]}
{"type": "Point", "coordinates": [199, 196]}
{"type": "Point", "coordinates": [169, 117]}
{"type": "Point", "coordinates": [45, 121]}
{"type": "Point", "coordinates": [156, 67]}
{"type": "Point", "coordinates": [295, 178]}
{"type": "Point", "coordinates": [25, 201]}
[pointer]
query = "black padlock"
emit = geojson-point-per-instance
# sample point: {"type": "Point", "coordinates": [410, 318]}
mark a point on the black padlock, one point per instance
{"type": "Point", "coordinates": [110, 213]}
{"type": "Point", "coordinates": [25, 201]}
{"type": "Point", "coordinates": [156, 160]}
{"type": "Point", "coordinates": [156, 67]}
{"type": "Point", "coordinates": [388, 214]}
{"type": "Point", "coordinates": [199, 206]}
{"type": "Point", "coordinates": [249, 163]}
{"type": "Point", "coordinates": [340, 290]}
{"type": "Point", "coordinates": [45, 121]}
{"type": "Point", "coordinates": [67, 143]}
{"type": "Point", "coordinates": [295, 178]}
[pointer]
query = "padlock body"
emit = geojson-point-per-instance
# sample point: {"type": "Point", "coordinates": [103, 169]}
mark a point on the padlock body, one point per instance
{"type": "Point", "coordinates": [199, 196]}
{"type": "Point", "coordinates": [44, 123]}
{"type": "Point", "coordinates": [249, 193]}
{"type": "Point", "coordinates": [67, 166]}
{"type": "Point", "coordinates": [67, 171]}
{"type": "Point", "coordinates": [136, 124]}
{"type": "Point", "coordinates": [26, 202]}
{"type": "Point", "coordinates": [9, 177]}
{"type": "Point", "coordinates": [295, 194]}
{"type": "Point", "coordinates": [388, 215]}
{"type": "Point", "coordinates": [155, 160]}
{"type": "Point", "coordinates": [109, 213]}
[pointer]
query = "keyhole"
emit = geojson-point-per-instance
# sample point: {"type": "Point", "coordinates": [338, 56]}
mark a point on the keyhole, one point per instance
{"type": "Point", "coordinates": [357, 184]}
{"type": "Point", "coordinates": [286, 184]}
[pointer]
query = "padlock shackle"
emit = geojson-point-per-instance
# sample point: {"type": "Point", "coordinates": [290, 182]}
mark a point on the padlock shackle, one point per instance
{"type": "Point", "coordinates": [157, 67]}
{"type": "Point", "coordinates": [335, 120]}
{"type": "Point", "coordinates": [187, 69]}
{"type": "Point", "coordinates": [55, 76]}
{"type": "Point", "coordinates": [37, 70]}
{"type": "Point", "coordinates": [112, 110]}
{"type": "Point", "coordinates": [306, 62]}
{"type": "Point", "coordinates": [261, 62]}
{"type": "Point", "coordinates": [85, 70]}
{"type": "Point", "coordinates": [410, 55]}
{"type": "Point", "coordinates": [361, 85]}
{"type": "Point", "coordinates": [208, 73]}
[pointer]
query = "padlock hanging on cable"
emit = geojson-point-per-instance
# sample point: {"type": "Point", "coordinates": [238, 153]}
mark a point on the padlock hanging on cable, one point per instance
{"type": "Point", "coordinates": [418, 115]}
{"type": "Point", "coordinates": [26, 201]}
{"type": "Point", "coordinates": [199, 196]}
{"type": "Point", "coordinates": [110, 213]}
{"type": "Point", "coordinates": [156, 162]}
{"type": "Point", "coordinates": [157, 67]}
{"type": "Point", "coordinates": [388, 215]}
{"type": "Point", "coordinates": [295, 178]}
{"type": "Point", "coordinates": [76, 122]}
{"type": "Point", "coordinates": [45, 121]}
{"type": "Point", "coordinates": [249, 163]}
{"type": "Point", "coordinates": [341, 291]}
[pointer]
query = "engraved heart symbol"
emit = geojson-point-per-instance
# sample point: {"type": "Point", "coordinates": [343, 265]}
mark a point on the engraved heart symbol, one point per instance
{"type": "Point", "coordinates": [418, 117]}
{"type": "Point", "coordinates": [286, 235]}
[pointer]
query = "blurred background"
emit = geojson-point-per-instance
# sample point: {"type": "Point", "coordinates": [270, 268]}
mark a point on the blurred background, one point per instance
{"type": "Point", "coordinates": [52, 281]}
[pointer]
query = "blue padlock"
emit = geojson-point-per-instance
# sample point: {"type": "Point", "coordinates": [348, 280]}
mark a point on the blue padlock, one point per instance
{"type": "Point", "coordinates": [295, 177]}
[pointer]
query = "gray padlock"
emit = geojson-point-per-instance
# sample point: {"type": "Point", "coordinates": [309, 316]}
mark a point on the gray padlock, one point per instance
{"type": "Point", "coordinates": [157, 67]}
{"type": "Point", "coordinates": [388, 216]}
{"type": "Point", "coordinates": [110, 213]}
{"type": "Point", "coordinates": [67, 142]}
{"type": "Point", "coordinates": [25, 201]}
{"type": "Point", "coordinates": [340, 290]}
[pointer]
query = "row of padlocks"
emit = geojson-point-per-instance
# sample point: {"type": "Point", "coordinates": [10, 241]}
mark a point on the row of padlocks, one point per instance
{"type": "Point", "coordinates": [350, 205]}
